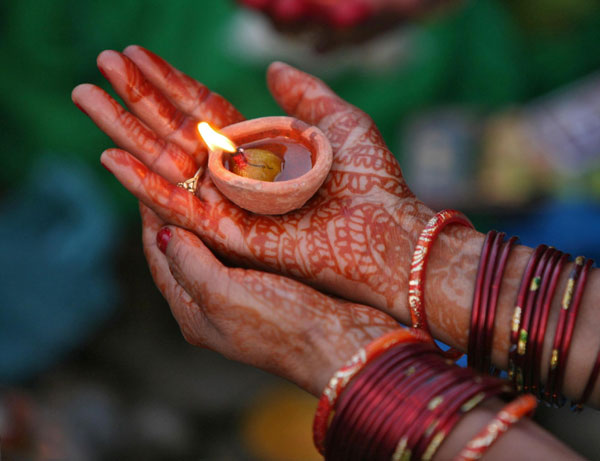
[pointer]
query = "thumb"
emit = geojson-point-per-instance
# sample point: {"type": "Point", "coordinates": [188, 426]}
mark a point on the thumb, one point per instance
{"type": "Point", "coordinates": [303, 96]}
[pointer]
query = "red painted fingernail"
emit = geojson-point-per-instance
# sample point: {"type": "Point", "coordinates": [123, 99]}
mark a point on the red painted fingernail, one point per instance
{"type": "Point", "coordinates": [80, 108]}
{"type": "Point", "coordinates": [162, 238]}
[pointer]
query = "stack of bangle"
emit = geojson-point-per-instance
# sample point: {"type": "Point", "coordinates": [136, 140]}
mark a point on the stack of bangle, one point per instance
{"type": "Point", "coordinates": [400, 405]}
{"type": "Point", "coordinates": [530, 320]}
{"type": "Point", "coordinates": [531, 313]}
{"type": "Point", "coordinates": [529, 299]}
{"type": "Point", "coordinates": [343, 376]}
{"type": "Point", "coordinates": [564, 330]}
{"type": "Point", "coordinates": [492, 263]}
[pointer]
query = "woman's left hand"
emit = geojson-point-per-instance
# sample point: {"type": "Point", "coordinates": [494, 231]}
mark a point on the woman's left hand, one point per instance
{"type": "Point", "coordinates": [266, 320]}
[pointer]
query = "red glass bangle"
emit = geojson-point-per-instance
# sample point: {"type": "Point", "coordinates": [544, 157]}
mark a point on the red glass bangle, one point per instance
{"type": "Point", "coordinates": [521, 299]}
{"type": "Point", "coordinates": [571, 320]}
{"type": "Point", "coordinates": [395, 414]}
{"type": "Point", "coordinates": [418, 267]}
{"type": "Point", "coordinates": [528, 309]}
{"type": "Point", "coordinates": [512, 413]}
{"type": "Point", "coordinates": [491, 316]}
{"type": "Point", "coordinates": [549, 387]}
{"type": "Point", "coordinates": [530, 352]}
{"type": "Point", "coordinates": [394, 438]}
{"type": "Point", "coordinates": [341, 378]}
{"type": "Point", "coordinates": [487, 285]}
{"type": "Point", "coordinates": [365, 392]}
{"type": "Point", "coordinates": [540, 332]}
{"type": "Point", "coordinates": [375, 422]}
{"type": "Point", "coordinates": [446, 392]}
{"type": "Point", "coordinates": [474, 329]}
{"type": "Point", "coordinates": [403, 444]}
{"type": "Point", "coordinates": [392, 391]}
{"type": "Point", "coordinates": [479, 392]}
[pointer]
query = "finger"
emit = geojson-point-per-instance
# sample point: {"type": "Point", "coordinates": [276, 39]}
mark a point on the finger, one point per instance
{"type": "Point", "coordinates": [217, 221]}
{"type": "Point", "coordinates": [187, 94]}
{"type": "Point", "coordinates": [163, 157]}
{"type": "Point", "coordinates": [362, 162]}
{"type": "Point", "coordinates": [173, 204]}
{"type": "Point", "coordinates": [188, 314]}
{"type": "Point", "coordinates": [150, 105]}
{"type": "Point", "coordinates": [306, 97]}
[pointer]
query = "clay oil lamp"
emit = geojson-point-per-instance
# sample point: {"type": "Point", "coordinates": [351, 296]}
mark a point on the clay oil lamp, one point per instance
{"type": "Point", "coordinates": [268, 165]}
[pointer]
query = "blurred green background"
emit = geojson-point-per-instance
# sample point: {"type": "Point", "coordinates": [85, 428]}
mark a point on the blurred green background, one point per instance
{"type": "Point", "coordinates": [80, 317]}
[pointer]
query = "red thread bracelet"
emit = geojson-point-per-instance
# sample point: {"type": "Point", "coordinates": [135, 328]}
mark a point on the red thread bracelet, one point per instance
{"type": "Point", "coordinates": [507, 417]}
{"type": "Point", "coordinates": [418, 267]}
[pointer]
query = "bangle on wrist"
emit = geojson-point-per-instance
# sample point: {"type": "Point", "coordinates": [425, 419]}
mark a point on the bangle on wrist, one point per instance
{"type": "Point", "coordinates": [517, 313]}
{"type": "Point", "coordinates": [531, 297]}
{"type": "Point", "coordinates": [404, 403]}
{"type": "Point", "coordinates": [475, 327]}
{"type": "Point", "coordinates": [565, 340]}
{"type": "Point", "coordinates": [341, 378]}
{"type": "Point", "coordinates": [491, 314]}
{"type": "Point", "coordinates": [507, 417]}
{"type": "Point", "coordinates": [418, 268]}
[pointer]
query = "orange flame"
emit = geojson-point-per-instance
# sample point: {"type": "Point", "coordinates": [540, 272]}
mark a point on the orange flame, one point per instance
{"type": "Point", "coordinates": [215, 140]}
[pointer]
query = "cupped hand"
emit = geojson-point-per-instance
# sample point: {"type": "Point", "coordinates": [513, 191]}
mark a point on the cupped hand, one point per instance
{"type": "Point", "coordinates": [265, 320]}
{"type": "Point", "coordinates": [354, 238]}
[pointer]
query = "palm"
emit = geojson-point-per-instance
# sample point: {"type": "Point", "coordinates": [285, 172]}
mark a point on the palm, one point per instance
{"type": "Point", "coordinates": [352, 238]}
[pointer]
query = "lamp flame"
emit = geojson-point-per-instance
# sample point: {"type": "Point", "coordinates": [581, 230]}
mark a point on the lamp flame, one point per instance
{"type": "Point", "coordinates": [215, 140]}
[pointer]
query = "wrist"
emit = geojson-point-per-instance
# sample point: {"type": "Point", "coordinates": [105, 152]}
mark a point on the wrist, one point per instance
{"type": "Point", "coordinates": [450, 283]}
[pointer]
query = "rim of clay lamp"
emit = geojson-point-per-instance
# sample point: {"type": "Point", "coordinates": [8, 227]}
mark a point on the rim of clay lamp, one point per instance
{"type": "Point", "coordinates": [276, 197]}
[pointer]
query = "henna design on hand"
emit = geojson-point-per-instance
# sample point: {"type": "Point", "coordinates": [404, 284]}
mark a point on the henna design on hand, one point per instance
{"type": "Point", "coordinates": [266, 320]}
{"type": "Point", "coordinates": [354, 238]}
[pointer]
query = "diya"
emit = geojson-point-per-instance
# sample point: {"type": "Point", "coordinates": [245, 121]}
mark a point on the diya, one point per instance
{"type": "Point", "coordinates": [268, 165]}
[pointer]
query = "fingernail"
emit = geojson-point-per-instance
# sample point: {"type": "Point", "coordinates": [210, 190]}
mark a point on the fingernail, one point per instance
{"type": "Point", "coordinates": [162, 238]}
{"type": "Point", "coordinates": [80, 108]}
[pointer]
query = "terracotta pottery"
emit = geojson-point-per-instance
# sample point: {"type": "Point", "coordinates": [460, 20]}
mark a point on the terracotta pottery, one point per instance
{"type": "Point", "coordinates": [272, 197]}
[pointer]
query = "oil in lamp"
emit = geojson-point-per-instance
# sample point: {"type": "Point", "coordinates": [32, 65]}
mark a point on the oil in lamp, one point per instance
{"type": "Point", "coordinates": [269, 165]}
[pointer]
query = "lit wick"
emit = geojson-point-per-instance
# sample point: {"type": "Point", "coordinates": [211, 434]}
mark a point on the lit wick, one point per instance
{"type": "Point", "coordinates": [253, 162]}
{"type": "Point", "coordinates": [213, 140]}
